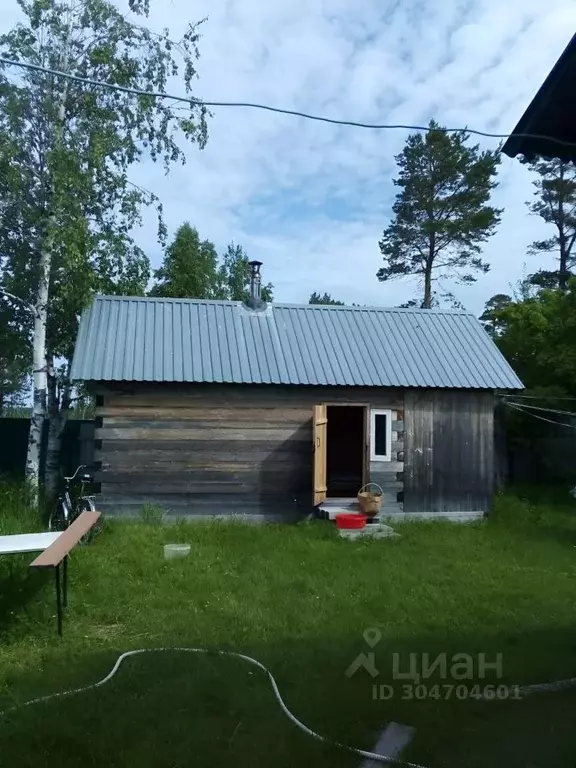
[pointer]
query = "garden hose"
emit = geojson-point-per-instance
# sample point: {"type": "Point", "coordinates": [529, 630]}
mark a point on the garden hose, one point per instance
{"type": "Point", "coordinates": [298, 723]}
{"type": "Point", "coordinates": [524, 690]}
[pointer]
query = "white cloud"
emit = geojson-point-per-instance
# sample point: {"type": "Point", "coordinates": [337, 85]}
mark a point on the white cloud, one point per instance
{"type": "Point", "coordinates": [309, 199]}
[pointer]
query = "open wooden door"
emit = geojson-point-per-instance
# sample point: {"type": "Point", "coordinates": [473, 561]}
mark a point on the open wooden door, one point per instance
{"type": "Point", "coordinates": [320, 420]}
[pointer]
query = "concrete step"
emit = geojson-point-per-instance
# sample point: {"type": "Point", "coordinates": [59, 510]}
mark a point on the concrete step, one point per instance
{"type": "Point", "coordinates": [332, 507]}
{"type": "Point", "coordinates": [373, 531]}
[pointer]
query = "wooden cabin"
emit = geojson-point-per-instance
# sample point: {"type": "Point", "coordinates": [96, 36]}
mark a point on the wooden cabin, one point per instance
{"type": "Point", "coordinates": [216, 408]}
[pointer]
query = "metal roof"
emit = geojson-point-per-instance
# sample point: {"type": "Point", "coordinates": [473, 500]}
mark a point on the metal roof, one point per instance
{"type": "Point", "coordinates": [552, 112]}
{"type": "Point", "coordinates": [171, 340]}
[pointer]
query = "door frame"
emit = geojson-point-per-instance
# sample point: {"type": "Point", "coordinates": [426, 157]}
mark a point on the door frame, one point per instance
{"type": "Point", "coordinates": [366, 428]}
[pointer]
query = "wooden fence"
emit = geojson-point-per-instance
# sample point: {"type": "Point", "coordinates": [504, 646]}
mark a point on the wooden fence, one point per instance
{"type": "Point", "coordinates": [77, 445]}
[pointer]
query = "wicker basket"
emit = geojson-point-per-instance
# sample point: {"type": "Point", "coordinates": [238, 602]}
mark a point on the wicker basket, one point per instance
{"type": "Point", "coordinates": [370, 503]}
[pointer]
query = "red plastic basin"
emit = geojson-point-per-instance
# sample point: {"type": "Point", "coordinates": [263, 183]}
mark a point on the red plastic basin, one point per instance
{"type": "Point", "coordinates": [350, 521]}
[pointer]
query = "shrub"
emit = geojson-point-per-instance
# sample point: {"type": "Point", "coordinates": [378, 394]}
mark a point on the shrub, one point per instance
{"type": "Point", "coordinates": [152, 514]}
{"type": "Point", "coordinates": [17, 513]}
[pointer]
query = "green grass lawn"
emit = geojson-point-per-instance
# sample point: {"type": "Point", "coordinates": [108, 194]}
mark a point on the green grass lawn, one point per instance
{"type": "Point", "coordinates": [298, 599]}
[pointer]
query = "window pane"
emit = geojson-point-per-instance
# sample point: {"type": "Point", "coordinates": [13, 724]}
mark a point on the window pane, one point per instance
{"type": "Point", "coordinates": [380, 434]}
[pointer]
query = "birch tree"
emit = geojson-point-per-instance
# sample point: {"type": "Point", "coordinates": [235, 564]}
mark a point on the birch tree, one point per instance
{"type": "Point", "coordinates": [14, 358]}
{"type": "Point", "coordinates": [191, 269]}
{"type": "Point", "coordinates": [235, 275]}
{"type": "Point", "coordinates": [67, 205]}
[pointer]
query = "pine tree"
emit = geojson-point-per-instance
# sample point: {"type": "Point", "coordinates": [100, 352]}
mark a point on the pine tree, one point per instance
{"type": "Point", "coordinates": [324, 298]}
{"type": "Point", "coordinates": [556, 204]}
{"type": "Point", "coordinates": [441, 214]}
{"type": "Point", "coordinates": [493, 310]}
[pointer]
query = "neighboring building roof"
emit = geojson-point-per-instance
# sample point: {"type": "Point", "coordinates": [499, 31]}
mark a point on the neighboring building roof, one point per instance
{"type": "Point", "coordinates": [185, 340]}
{"type": "Point", "coordinates": [551, 113]}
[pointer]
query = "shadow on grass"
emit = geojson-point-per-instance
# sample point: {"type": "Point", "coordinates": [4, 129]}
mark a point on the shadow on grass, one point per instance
{"type": "Point", "coordinates": [19, 589]}
{"type": "Point", "coordinates": [556, 532]}
{"type": "Point", "coordinates": [176, 709]}
{"type": "Point", "coordinates": [539, 513]}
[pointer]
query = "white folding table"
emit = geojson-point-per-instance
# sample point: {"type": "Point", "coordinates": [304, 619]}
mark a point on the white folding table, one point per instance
{"type": "Point", "coordinates": [27, 543]}
{"type": "Point", "coordinates": [19, 543]}
{"type": "Point", "coordinates": [54, 548]}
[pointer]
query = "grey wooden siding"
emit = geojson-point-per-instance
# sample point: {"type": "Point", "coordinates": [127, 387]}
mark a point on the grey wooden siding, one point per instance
{"type": "Point", "coordinates": [211, 449]}
{"type": "Point", "coordinates": [449, 451]}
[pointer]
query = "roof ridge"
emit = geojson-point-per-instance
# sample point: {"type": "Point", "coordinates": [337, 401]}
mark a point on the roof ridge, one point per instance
{"type": "Point", "coordinates": [121, 297]}
{"type": "Point", "coordinates": [290, 305]}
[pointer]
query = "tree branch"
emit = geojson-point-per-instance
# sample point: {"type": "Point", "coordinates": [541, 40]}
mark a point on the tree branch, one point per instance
{"type": "Point", "coordinates": [571, 244]}
{"type": "Point", "coordinates": [142, 189]}
{"type": "Point", "coordinates": [28, 307]}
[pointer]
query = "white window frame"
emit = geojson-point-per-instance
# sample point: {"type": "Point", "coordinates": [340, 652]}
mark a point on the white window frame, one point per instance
{"type": "Point", "coordinates": [373, 455]}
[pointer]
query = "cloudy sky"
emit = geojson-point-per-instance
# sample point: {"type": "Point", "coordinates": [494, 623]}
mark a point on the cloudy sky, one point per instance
{"type": "Point", "coordinates": [310, 200]}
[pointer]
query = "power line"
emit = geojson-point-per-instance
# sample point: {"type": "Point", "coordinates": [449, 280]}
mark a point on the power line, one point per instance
{"type": "Point", "coordinates": [295, 113]}
{"type": "Point", "coordinates": [538, 408]}
{"type": "Point", "coordinates": [541, 418]}
{"type": "Point", "coordinates": [537, 397]}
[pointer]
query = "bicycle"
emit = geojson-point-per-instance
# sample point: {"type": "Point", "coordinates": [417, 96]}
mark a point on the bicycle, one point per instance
{"type": "Point", "coordinates": [69, 506]}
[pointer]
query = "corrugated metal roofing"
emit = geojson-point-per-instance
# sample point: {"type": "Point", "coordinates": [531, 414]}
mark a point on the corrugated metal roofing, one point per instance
{"type": "Point", "coordinates": [149, 339]}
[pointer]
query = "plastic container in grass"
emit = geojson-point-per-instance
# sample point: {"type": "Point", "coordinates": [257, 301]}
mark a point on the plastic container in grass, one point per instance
{"type": "Point", "coordinates": [350, 522]}
{"type": "Point", "coordinates": [173, 551]}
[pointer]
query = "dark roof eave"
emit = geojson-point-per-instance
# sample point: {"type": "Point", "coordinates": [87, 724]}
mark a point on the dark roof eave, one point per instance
{"type": "Point", "coordinates": [552, 112]}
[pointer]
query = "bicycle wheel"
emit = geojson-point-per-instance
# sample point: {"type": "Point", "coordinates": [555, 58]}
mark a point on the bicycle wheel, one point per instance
{"type": "Point", "coordinates": [85, 504]}
{"type": "Point", "coordinates": [59, 517]}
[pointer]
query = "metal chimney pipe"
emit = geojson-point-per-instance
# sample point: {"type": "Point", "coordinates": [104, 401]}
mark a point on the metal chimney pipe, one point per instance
{"type": "Point", "coordinates": [255, 283]}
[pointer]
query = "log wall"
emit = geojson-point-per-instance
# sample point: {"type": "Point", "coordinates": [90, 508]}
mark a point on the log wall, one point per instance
{"type": "Point", "coordinates": [220, 449]}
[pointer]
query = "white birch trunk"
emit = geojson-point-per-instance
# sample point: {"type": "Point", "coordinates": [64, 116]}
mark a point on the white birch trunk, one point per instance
{"type": "Point", "coordinates": [40, 321]}
{"type": "Point", "coordinates": [40, 378]}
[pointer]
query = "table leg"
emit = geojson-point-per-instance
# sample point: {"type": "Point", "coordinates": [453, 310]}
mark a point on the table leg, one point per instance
{"type": "Point", "coordinates": [58, 599]}
{"type": "Point", "coordinates": [65, 583]}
